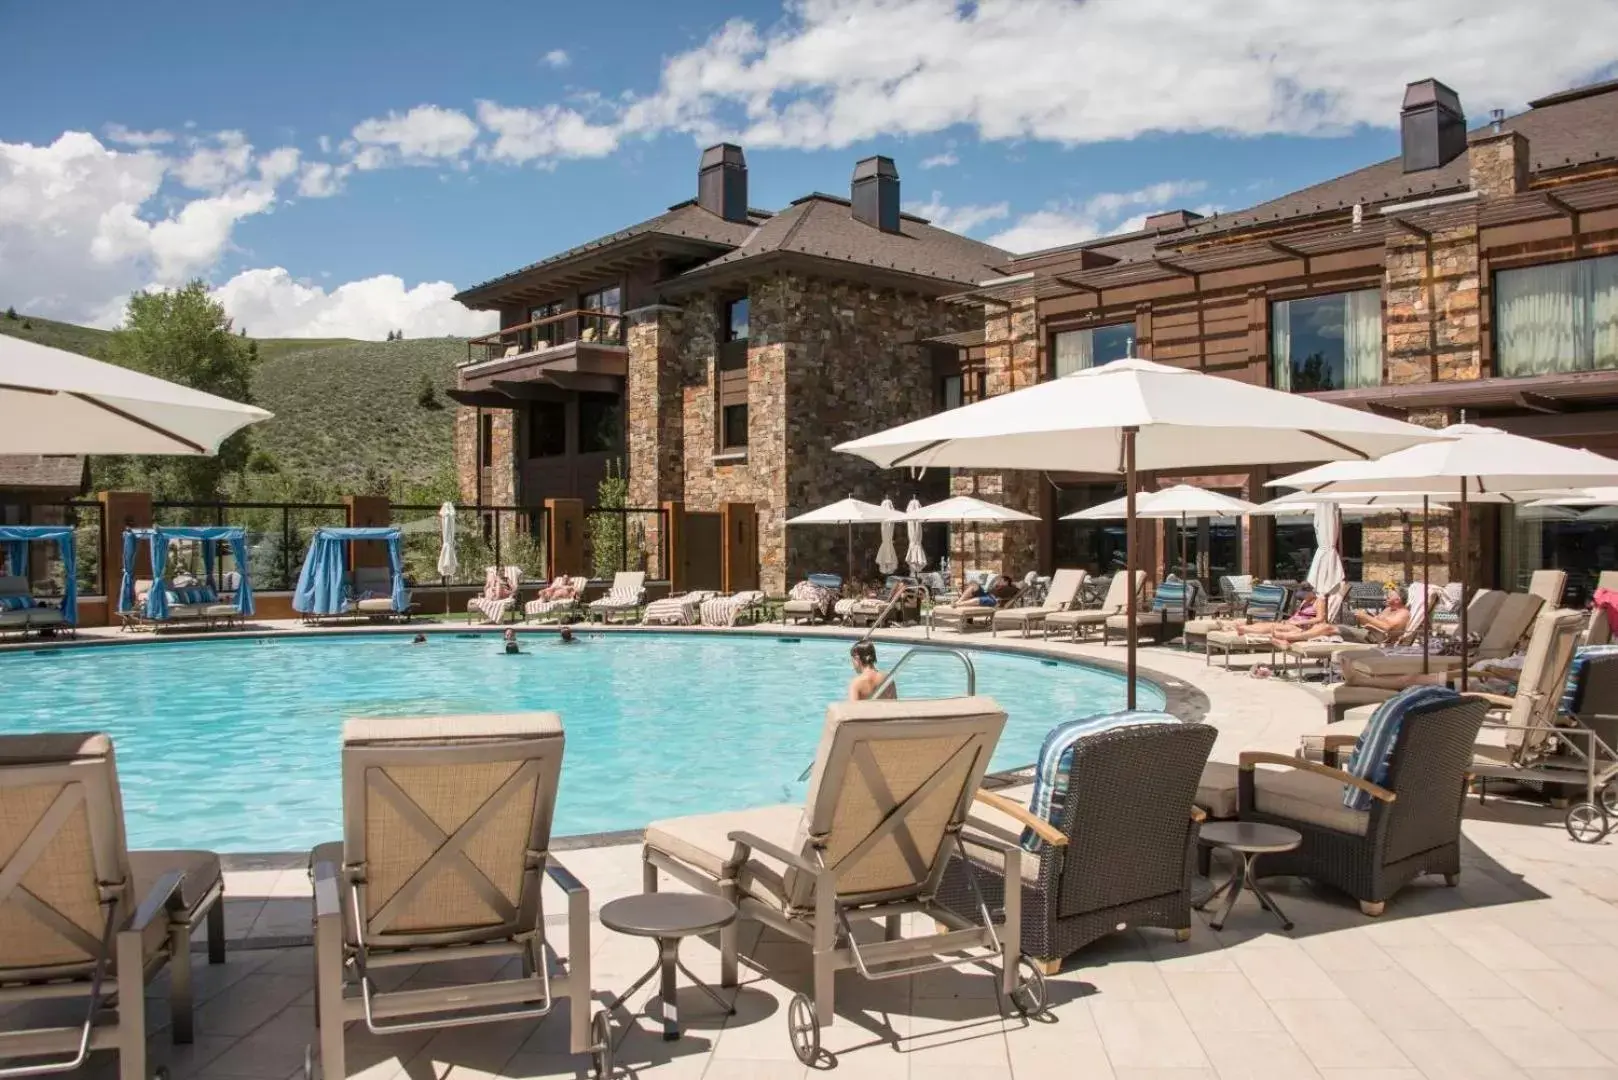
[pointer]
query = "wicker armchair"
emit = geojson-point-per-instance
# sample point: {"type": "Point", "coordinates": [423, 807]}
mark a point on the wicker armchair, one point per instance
{"type": "Point", "coordinates": [1412, 828]}
{"type": "Point", "coordinates": [1124, 854]}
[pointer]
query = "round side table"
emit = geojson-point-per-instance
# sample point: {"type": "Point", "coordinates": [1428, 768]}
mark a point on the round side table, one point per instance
{"type": "Point", "coordinates": [666, 918]}
{"type": "Point", "coordinates": [1247, 840]}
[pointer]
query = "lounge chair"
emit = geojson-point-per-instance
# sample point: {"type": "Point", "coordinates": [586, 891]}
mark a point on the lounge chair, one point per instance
{"type": "Point", "coordinates": [21, 612]}
{"type": "Point", "coordinates": [188, 605]}
{"type": "Point", "coordinates": [491, 605]}
{"type": "Point", "coordinates": [1599, 631]}
{"type": "Point", "coordinates": [1080, 623]}
{"type": "Point", "coordinates": [446, 838]}
{"type": "Point", "coordinates": [373, 595]}
{"type": "Point", "coordinates": [82, 916]}
{"type": "Point", "coordinates": [1062, 595]}
{"type": "Point", "coordinates": [1413, 823]}
{"type": "Point", "coordinates": [728, 610]}
{"type": "Point", "coordinates": [1122, 854]}
{"type": "Point", "coordinates": [682, 610]}
{"type": "Point", "coordinates": [625, 597]}
{"type": "Point", "coordinates": [891, 787]}
{"type": "Point", "coordinates": [813, 599]}
{"type": "Point", "coordinates": [543, 610]}
{"type": "Point", "coordinates": [1266, 603]}
{"type": "Point", "coordinates": [1172, 604]}
{"type": "Point", "coordinates": [1548, 585]}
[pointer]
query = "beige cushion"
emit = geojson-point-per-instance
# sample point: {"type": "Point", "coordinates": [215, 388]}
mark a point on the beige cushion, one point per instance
{"type": "Point", "coordinates": [1023, 614]}
{"type": "Point", "coordinates": [1217, 791]}
{"type": "Point", "coordinates": [1142, 618]}
{"type": "Point", "coordinates": [1306, 796]}
{"type": "Point", "coordinates": [1235, 639]}
{"type": "Point", "coordinates": [14, 618]}
{"type": "Point", "coordinates": [403, 730]}
{"type": "Point", "coordinates": [220, 611]}
{"type": "Point", "coordinates": [1320, 650]}
{"type": "Point", "coordinates": [1004, 829]}
{"type": "Point", "coordinates": [702, 841]}
{"type": "Point", "coordinates": [1203, 626]}
{"type": "Point", "coordinates": [798, 607]}
{"type": "Point", "coordinates": [374, 605]}
{"type": "Point", "coordinates": [1340, 695]}
{"type": "Point", "coordinates": [1092, 616]}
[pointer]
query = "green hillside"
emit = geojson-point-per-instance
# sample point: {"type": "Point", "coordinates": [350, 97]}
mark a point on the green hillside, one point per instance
{"type": "Point", "coordinates": [346, 412]}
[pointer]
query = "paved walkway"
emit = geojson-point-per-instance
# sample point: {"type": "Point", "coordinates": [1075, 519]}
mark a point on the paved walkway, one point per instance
{"type": "Point", "coordinates": [1513, 974]}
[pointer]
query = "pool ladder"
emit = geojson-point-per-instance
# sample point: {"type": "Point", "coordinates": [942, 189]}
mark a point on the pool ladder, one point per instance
{"type": "Point", "coordinates": [893, 602]}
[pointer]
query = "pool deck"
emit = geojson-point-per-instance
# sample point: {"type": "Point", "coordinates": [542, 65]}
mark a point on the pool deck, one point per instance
{"type": "Point", "coordinates": [1512, 974]}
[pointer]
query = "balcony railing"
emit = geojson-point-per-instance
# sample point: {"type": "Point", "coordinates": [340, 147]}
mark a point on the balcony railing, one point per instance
{"type": "Point", "coordinates": [582, 326]}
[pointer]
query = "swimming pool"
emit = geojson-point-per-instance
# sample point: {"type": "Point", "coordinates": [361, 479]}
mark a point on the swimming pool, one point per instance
{"type": "Point", "coordinates": [233, 745]}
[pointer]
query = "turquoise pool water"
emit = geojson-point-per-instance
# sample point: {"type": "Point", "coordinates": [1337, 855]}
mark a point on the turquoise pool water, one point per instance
{"type": "Point", "coordinates": [233, 745]}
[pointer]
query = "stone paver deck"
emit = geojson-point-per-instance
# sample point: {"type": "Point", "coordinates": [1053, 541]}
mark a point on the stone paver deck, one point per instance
{"type": "Point", "coordinates": [1512, 974]}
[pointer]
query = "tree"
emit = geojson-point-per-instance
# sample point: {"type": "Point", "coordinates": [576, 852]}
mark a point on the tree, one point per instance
{"type": "Point", "coordinates": [427, 393]}
{"type": "Point", "coordinates": [606, 530]}
{"type": "Point", "coordinates": [390, 336]}
{"type": "Point", "coordinates": [11, 313]}
{"type": "Point", "coordinates": [185, 336]}
{"type": "Point", "coordinates": [398, 335]}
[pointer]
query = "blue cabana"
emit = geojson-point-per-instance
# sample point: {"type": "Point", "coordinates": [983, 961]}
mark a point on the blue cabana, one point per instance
{"type": "Point", "coordinates": [157, 602]}
{"type": "Point", "coordinates": [15, 540]}
{"type": "Point", "coordinates": [322, 584]}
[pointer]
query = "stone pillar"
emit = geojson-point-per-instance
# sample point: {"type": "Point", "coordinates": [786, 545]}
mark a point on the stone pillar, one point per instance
{"type": "Point", "coordinates": [122, 510]}
{"type": "Point", "coordinates": [1498, 161]}
{"type": "Point", "coordinates": [565, 520]}
{"type": "Point", "coordinates": [738, 524]}
{"type": "Point", "coordinates": [466, 454]}
{"type": "Point", "coordinates": [367, 512]}
{"type": "Point", "coordinates": [653, 411]}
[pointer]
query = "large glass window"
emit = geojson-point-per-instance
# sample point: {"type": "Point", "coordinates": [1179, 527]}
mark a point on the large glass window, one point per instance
{"type": "Point", "coordinates": [543, 337]}
{"type": "Point", "coordinates": [1095, 546]}
{"type": "Point", "coordinates": [547, 429]}
{"type": "Point", "coordinates": [1075, 350]}
{"type": "Point", "coordinates": [1295, 547]}
{"type": "Point", "coordinates": [485, 440]}
{"type": "Point", "coordinates": [949, 392]}
{"type": "Point", "coordinates": [733, 433]}
{"type": "Point", "coordinates": [1556, 538]}
{"type": "Point", "coordinates": [1560, 317]}
{"type": "Point", "coordinates": [599, 328]}
{"type": "Point", "coordinates": [1331, 342]}
{"type": "Point", "coordinates": [600, 423]}
{"type": "Point", "coordinates": [736, 319]}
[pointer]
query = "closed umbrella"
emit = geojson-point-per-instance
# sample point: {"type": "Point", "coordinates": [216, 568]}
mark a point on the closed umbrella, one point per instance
{"type": "Point", "coordinates": [1135, 414]}
{"type": "Point", "coordinates": [848, 512]}
{"type": "Point", "coordinates": [448, 564]}
{"type": "Point", "coordinates": [1470, 460]}
{"type": "Point", "coordinates": [56, 402]}
{"type": "Point", "coordinates": [887, 559]}
{"type": "Point", "coordinates": [915, 554]}
{"type": "Point", "coordinates": [966, 510]}
{"type": "Point", "coordinates": [1326, 569]}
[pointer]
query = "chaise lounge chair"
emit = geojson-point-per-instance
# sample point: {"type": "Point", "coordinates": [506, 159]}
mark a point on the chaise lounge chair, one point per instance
{"type": "Point", "coordinates": [891, 787]}
{"type": "Point", "coordinates": [446, 838]}
{"type": "Point", "coordinates": [1062, 595]}
{"type": "Point", "coordinates": [1266, 603]}
{"type": "Point", "coordinates": [625, 597]}
{"type": "Point", "coordinates": [728, 610]}
{"type": "Point", "coordinates": [491, 605]}
{"type": "Point", "coordinates": [21, 612]}
{"type": "Point", "coordinates": [1081, 623]}
{"type": "Point", "coordinates": [543, 610]}
{"type": "Point", "coordinates": [813, 599]}
{"type": "Point", "coordinates": [82, 916]}
{"type": "Point", "coordinates": [682, 610]}
{"type": "Point", "coordinates": [1172, 603]}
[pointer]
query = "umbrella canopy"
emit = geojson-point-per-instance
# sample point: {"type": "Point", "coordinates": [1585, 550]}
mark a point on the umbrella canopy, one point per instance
{"type": "Point", "coordinates": [965, 510]}
{"type": "Point", "coordinates": [887, 559]}
{"type": "Point", "coordinates": [1181, 500]}
{"type": "Point", "coordinates": [56, 402]}
{"type": "Point", "coordinates": [1326, 569]}
{"type": "Point", "coordinates": [1135, 414]}
{"type": "Point", "coordinates": [849, 511]}
{"type": "Point", "coordinates": [448, 564]}
{"type": "Point", "coordinates": [1596, 496]}
{"type": "Point", "coordinates": [915, 554]}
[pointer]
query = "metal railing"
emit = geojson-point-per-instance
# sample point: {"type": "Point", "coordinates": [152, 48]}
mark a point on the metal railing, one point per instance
{"type": "Point", "coordinates": [278, 533]}
{"type": "Point", "coordinates": [584, 326]}
{"type": "Point", "coordinates": [484, 536]}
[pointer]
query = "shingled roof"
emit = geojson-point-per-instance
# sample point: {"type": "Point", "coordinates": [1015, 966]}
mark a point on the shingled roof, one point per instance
{"type": "Point", "coordinates": [57, 472]}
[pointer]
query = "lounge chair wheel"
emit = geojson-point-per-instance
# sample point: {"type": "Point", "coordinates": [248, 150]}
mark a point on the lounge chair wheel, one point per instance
{"type": "Point", "coordinates": [803, 1029]}
{"type": "Point", "coordinates": [601, 1043]}
{"type": "Point", "coordinates": [1609, 798]}
{"type": "Point", "coordinates": [1587, 823]}
{"type": "Point", "coordinates": [1029, 997]}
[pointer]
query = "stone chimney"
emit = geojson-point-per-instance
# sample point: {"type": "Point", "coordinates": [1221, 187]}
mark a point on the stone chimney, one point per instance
{"type": "Point", "coordinates": [722, 182]}
{"type": "Point", "coordinates": [875, 193]}
{"type": "Point", "coordinates": [1432, 127]}
{"type": "Point", "coordinates": [1498, 160]}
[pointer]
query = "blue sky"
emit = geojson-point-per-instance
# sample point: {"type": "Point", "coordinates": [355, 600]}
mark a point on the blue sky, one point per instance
{"type": "Point", "coordinates": [324, 164]}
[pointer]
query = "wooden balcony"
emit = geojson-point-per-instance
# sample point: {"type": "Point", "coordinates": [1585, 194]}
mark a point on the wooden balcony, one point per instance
{"type": "Point", "coordinates": [548, 338]}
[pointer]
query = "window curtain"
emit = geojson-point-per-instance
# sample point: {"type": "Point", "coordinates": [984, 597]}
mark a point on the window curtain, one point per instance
{"type": "Point", "coordinates": [1075, 351]}
{"type": "Point", "coordinates": [1559, 317]}
{"type": "Point", "coordinates": [157, 600]}
{"type": "Point", "coordinates": [1362, 338]}
{"type": "Point", "coordinates": [1281, 344]}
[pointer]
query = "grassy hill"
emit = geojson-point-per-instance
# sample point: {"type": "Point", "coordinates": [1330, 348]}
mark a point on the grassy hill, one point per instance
{"type": "Point", "coordinates": [344, 409]}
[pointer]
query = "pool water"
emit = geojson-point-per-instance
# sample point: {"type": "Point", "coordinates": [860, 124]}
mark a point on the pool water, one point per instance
{"type": "Point", "coordinates": [233, 745]}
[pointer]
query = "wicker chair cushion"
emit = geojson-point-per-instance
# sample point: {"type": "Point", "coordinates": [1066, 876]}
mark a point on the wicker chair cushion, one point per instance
{"type": "Point", "coordinates": [1056, 758]}
{"type": "Point", "coordinates": [1306, 796]}
{"type": "Point", "coordinates": [1218, 791]}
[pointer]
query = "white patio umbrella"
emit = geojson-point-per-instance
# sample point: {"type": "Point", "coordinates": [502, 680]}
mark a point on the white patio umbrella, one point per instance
{"type": "Point", "coordinates": [887, 559]}
{"type": "Point", "coordinates": [1135, 414]}
{"type": "Point", "coordinates": [57, 402]}
{"type": "Point", "coordinates": [967, 510]}
{"type": "Point", "coordinates": [848, 512]}
{"type": "Point", "coordinates": [1326, 569]}
{"type": "Point", "coordinates": [448, 564]}
{"type": "Point", "coordinates": [915, 554]}
{"type": "Point", "coordinates": [1472, 460]}
{"type": "Point", "coordinates": [1181, 501]}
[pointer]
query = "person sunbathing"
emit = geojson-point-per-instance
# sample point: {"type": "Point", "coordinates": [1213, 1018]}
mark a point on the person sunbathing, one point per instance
{"type": "Point", "coordinates": [1310, 614]}
{"type": "Point", "coordinates": [561, 589]}
{"type": "Point", "coordinates": [998, 591]}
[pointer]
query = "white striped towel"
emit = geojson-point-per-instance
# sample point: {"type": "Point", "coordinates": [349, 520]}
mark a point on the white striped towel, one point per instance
{"type": "Point", "coordinates": [725, 610]}
{"type": "Point", "coordinates": [675, 610]}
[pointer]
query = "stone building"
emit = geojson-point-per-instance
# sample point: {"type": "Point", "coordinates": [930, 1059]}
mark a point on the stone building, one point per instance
{"type": "Point", "coordinates": [1475, 275]}
{"type": "Point", "coordinates": [719, 351]}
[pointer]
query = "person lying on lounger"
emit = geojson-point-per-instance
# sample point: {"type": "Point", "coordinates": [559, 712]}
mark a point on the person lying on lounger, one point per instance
{"type": "Point", "coordinates": [1356, 626]}
{"type": "Point", "coordinates": [998, 591]}
{"type": "Point", "coordinates": [1311, 613]}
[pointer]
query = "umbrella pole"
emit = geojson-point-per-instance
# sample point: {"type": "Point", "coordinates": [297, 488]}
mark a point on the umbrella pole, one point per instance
{"type": "Point", "coordinates": [849, 581]}
{"type": "Point", "coordinates": [1426, 594]}
{"type": "Point", "coordinates": [1129, 563]}
{"type": "Point", "coordinates": [1183, 575]}
{"type": "Point", "coordinates": [1465, 551]}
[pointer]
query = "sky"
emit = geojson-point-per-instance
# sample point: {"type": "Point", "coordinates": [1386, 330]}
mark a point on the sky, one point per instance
{"type": "Point", "coordinates": [341, 169]}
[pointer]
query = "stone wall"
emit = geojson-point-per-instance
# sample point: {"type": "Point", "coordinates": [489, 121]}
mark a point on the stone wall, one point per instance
{"type": "Point", "coordinates": [499, 479]}
{"type": "Point", "coordinates": [1431, 306]}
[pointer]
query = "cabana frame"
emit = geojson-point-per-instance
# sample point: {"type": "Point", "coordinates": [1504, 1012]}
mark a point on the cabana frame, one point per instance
{"type": "Point", "coordinates": [323, 584]}
{"type": "Point", "coordinates": [14, 540]}
{"type": "Point", "coordinates": [157, 610]}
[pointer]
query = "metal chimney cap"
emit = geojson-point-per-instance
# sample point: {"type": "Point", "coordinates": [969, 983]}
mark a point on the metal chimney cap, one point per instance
{"type": "Point", "coordinates": [875, 166]}
{"type": "Point", "coordinates": [723, 154]}
{"type": "Point", "coordinates": [1431, 92]}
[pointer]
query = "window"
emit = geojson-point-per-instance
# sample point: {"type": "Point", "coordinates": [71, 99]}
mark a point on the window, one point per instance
{"type": "Point", "coordinates": [733, 433]}
{"type": "Point", "coordinates": [1096, 546]}
{"type": "Point", "coordinates": [599, 328]}
{"type": "Point", "coordinates": [735, 321]}
{"type": "Point", "coordinates": [1560, 317]}
{"type": "Point", "coordinates": [485, 439]}
{"type": "Point", "coordinates": [1331, 342]}
{"type": "Point", "coordinates": [949, 392]}
{"type": "Point", "coordinates": [963, 389]}
{"type": "Point", "coordinates": [547, 429]}
{"type": "Point", "coordinates": [543, 337]}
{"type": "Point", "coordinates": [1075, 350]}
{"type": "Point", "coordinates": [600, 423]}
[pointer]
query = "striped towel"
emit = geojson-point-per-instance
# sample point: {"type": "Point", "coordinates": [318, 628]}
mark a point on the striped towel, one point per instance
{"type": "Point", "coordinates": [1055, 763]}
{"type": "Point", "coordinates": [1373, 751]}
{"type": "Point", "coordinates": [725, 610]}
{"type": "Point", "coordinates": [675, 610]}
{"type": "Point", "coordinates": [1573, 692]}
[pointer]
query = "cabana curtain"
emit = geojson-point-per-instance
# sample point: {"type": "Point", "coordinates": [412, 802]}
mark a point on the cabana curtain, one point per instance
{"type": "Point", "coordinates": [157, 602]}
{"type": "Point", "coordinates": [321, 583]}
{"type": "Point", "coordinates": [16, 539]}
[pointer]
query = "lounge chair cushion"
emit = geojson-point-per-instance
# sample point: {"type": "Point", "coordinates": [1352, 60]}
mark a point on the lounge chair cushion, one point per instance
{"type": "Point", "coordinates": [1055, 760]}
{"type": "Point", "coordinates": [1201, 627]}
{"type": "Point", "coordinates": [1308, 797]}
{"type": "Point", "coordinates": [1236, 639]}
{"type": "Point", "coordinates": [1142, 618]}
{"type": "Point", "coordinates": [702, 841]}
{"type": "Point", "coordinates": [201, 869]}
{"type": "Point", "coordinates": [1090, 617]}
{"type": "Point", "coordinates": [1218, 792]}
{"type": "Point", "coordinates": [14, 602]}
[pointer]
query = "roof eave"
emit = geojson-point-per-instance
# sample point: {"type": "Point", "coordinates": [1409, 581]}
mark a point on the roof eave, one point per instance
{"type": "Point", "coordinates": [753, 265]}
{"type": "Point", "coordinates": [488, 295]}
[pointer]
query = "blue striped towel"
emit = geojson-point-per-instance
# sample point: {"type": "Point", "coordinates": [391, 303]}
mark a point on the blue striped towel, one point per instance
{"type": "Point", "coordinates": [1267, 603]}
{"type": "Point", "coordinates": [1573, 691]}
{"type": "Point", "coordinates": [1373, 750]}
{"type": "Point", "coordinates": [1056, 760]}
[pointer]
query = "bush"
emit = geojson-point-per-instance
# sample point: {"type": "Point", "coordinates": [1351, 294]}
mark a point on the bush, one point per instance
{"type": "Point", "coordinates": [26, 325]}
{"type": "Point", "coordinates": [11, 313]}
{"type": "Point", "coordinates": [427, 393]}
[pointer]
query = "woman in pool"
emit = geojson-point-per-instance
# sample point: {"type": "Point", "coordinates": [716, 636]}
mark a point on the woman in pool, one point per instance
{"type": "Point", "coordinates": [566, 635]}
{"type": "Point", "coordinates": [867, 676]}
{"type": "Point", "coordinates": [512, 649]}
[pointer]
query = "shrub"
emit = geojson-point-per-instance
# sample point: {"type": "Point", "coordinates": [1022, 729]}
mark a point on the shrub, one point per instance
{"type": "Point", "coordinates": [427, 393]}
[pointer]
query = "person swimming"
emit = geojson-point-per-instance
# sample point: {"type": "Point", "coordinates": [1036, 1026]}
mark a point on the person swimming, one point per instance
{"type": "Point", "coordinates": [566, 634]}
{"type": "Point", "coordinates": [867, 676]}
{"type": "Point", "coordinates": [419, 639]}
{"type": "Point", "coordinates": [512, 648]}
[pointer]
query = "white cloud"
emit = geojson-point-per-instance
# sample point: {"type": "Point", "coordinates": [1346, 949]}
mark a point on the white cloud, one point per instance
{"type": "Point", "coordinates": [322, 179]}
{"type": "Point", "coordinates": [271, 303]}
{"type": "Point", "coordinates": [556, 58]}
{"type": "Point", "coordinates": [124, 136]}
{"type": "Point", "coordinates": [547, 133]}
{"type": "Point", "coordinates": [279, 164]}
{"type": "Point", "coordinates": [1109, 212]}
{"type": "Point", "coordinates": [940, 161]}
{"type": "Point", "coordinates": [215, 163]}
{"type": "Point", "coordinates": [423, 135]}
{"type": "Point", "coordinates": [957, 219]}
